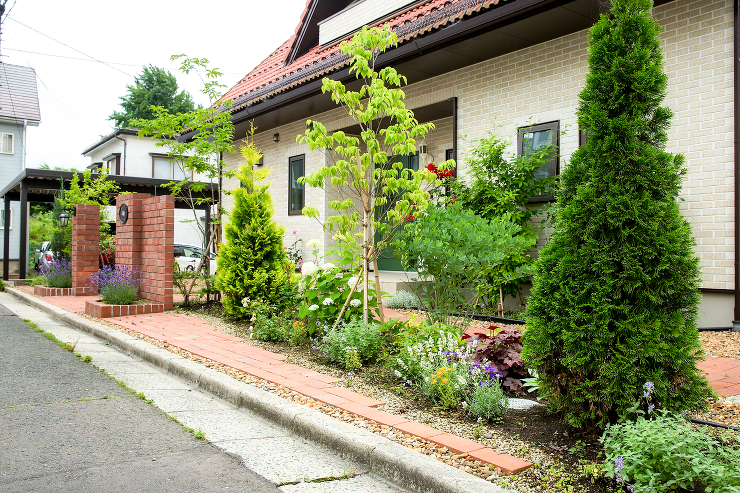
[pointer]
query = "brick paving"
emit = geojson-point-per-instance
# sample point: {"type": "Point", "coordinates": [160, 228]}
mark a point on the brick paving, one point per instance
{"type": "Point", "coordinates": [199, 337]}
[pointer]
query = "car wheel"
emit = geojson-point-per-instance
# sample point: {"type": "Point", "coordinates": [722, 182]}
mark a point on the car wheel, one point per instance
{"type": "Point", "coordinates": [190, 268]}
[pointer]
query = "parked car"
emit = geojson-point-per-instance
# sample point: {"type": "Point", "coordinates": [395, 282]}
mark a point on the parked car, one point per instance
{"type": "Point", "coordinates": [43, 257]}
{"type": "Point", "coordinates": [188, 257]}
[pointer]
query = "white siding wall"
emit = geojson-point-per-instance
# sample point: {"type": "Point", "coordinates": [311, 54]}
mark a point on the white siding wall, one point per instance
{"type": "Point", "coordinates": [10, 166]}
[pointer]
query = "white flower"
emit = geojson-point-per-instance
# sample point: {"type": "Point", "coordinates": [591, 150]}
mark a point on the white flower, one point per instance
{"type": "Point", "coordinates": [328, 266]}
{"type": "Point", "coordinates": [352, 281]}
{"type": "Point", "coordinates": [327, 301]}
{"type": "Point", "coordinates": [313, 308]}
{"type": "Point", "coordinates": [314, 244]}
{"type": "Point", "coordinates": [309, 269]}
{"type": "Point", "coordinates": [355, 303]}
{"type": "Point", "coordinates": [245, 301]}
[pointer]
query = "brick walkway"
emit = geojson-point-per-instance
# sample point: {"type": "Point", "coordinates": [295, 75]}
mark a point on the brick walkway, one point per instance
{"type": "Point", "coordinates": [723, 373]}
{"type": "Point", "coordinates": [200, 338]}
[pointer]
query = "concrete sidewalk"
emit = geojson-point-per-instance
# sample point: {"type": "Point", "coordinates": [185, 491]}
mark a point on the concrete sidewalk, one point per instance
{"type": "Point", "coordinates": [67, 427]}
{"type": "Point", "coordinates": [375, 461]}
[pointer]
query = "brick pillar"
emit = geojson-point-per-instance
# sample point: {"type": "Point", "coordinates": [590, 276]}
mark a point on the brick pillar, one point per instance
{"type": "Point", "coordinates": [85, 247]}
{"type": "Point", "coordinates": [128, 235]}
{"type": "Point", "coordinates": [157, 249]}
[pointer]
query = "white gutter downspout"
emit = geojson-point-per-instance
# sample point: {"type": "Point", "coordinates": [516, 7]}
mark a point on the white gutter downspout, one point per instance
{"type": "Point", "coordinates": [25, 136]}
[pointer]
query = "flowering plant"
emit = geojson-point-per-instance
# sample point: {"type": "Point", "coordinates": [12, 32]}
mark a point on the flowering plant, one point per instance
{"type": "Point", "coordinates": [58, 274]}
{"type": "Point", "coordinates": [352, 343]}
{"type": "Point", "coordinates": [294, 252]}
{"type": "Point", "coordinates": [117, 284]}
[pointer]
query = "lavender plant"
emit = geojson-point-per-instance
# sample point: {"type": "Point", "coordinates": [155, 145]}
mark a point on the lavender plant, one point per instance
{"type": "Point", "coordinates": [58, 274]}
{"type": "Point", "coordinates": [117, 285]}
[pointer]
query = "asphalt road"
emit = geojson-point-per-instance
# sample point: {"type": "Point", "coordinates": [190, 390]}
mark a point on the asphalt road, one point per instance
{"type": "Point", "coordinates": [65, 426]}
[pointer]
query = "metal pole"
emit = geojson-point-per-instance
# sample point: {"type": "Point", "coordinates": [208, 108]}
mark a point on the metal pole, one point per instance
{"type": "Point", "coordinates": [6, 240]}
{"type": "Point", "coordinates": [23, 253]}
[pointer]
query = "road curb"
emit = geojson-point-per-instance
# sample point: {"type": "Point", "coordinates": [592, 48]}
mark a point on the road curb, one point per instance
{"type": "Point", "coordinates": [382, 456]}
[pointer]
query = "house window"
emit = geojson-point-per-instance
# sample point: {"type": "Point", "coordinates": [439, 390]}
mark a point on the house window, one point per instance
{"type": "Point", "coordinates": [536, 137]}
{"type": "Point", "coordinates": [2, 219]}
{"type": "Point", "coordinates": [113, 165]}
{"type": "Point", "coordinates": [168, 168]}
{"type": "Point", "coordinates": [6, 143]}
{"type": "Point", "coordinates": [296, 191]}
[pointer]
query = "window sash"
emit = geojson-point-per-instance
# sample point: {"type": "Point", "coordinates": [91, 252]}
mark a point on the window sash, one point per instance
{"type": "Point", "coordinates": [536, 137]}
{"type": "Point", "coordinates": [296, 190]}
{"type": "Point", "coordinates": [6, 143]}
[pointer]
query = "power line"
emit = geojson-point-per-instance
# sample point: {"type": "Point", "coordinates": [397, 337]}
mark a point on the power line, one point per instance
{"type": "Point", "coordinates": [95, 61]}
{"type": "Point", "coordinates": [74, 49]}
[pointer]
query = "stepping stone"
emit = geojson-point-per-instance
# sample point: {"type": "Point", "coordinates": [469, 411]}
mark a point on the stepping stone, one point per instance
{"type": "Point", "coordinates": [522, 403]}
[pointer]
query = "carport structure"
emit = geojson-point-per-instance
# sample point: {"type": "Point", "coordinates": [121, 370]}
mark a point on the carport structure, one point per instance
{"type": "Point", "coordinates": [42, 185]}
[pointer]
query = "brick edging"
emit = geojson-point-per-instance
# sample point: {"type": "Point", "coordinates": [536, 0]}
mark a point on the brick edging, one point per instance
{"type": "Point", "coordinates": [99, 309]}
{"type": "Point", "coordinates": [41, 290]}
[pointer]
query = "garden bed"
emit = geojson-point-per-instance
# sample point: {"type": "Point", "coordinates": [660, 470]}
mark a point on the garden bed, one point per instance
{"type": "Point", "coordinates": [98, 309]}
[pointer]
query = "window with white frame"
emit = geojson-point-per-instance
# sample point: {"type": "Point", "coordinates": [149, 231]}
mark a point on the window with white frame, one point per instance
{"type": "Point", "coordinates": [6, 143]}
{"type": "Point", "coordinates": [2, 219]}
{"type": "Point", "coordinates": [167, 168]}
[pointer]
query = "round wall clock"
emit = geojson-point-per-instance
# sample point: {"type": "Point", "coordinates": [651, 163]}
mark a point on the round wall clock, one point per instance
{"type": "Point", "coordinates": [123, 213]}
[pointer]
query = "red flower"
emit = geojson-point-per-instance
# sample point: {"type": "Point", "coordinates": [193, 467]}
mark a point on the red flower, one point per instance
{"type": "Point", "coordinates": [409, 218]}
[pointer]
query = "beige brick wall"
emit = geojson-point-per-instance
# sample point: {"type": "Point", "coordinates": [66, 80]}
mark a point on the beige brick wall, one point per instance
{"type": "Point", "coordinates": [541, 84]}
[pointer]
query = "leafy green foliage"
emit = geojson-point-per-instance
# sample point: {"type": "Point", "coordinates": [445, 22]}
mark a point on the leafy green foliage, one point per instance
{"type": "Point", "coordinates": [372, 188]}
{"type": "Point", "coordinates": [271, 329]}
{"type": "Point", "coordinates": [614, 300]}
{"type": "Point", "coordinates": [352, 342]}
{"type": "Point", "coordinates": [666, 453]}
{"type": "Point", "coordinates": [252, 264]}
{"type": "Point", "coordinates": [497, 186]}
{"type": "Point", "coordinates": [489, 402]}
{"type": "Point", "coordinates": [451, 247]}
{"type": "Point", "coordinates": [325, 292]}
{"type": "Point", "coordinates": [153, 87]}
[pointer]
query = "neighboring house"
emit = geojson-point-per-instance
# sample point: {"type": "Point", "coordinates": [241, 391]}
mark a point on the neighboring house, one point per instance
{"type": "Point", "coordinates": [19, 109]}
{"type": "Point", "coordinates": [475, 66]}
{"type": "Point", "coordinates": [124, 153]}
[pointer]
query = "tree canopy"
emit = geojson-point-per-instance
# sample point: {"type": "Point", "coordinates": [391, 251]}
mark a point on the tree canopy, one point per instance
{"type": "Point", "coordinates": [153, 87]}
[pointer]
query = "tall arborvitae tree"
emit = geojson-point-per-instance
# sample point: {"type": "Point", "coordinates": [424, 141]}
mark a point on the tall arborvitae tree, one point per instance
{"type": "Point", "coordinates": [614, 301]}
{"type": "Point", "coordinates": [252, 263]}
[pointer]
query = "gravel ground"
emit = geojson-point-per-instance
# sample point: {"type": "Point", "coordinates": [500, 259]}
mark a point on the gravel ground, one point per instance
{"type": "Point", "coordinates": [721, 344]}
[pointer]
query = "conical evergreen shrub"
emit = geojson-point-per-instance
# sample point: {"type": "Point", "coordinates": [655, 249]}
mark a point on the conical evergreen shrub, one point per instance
{"type": "Point", "coordinates": [252, 263]}
{"type": "Point", "coordinates": [614, 300]}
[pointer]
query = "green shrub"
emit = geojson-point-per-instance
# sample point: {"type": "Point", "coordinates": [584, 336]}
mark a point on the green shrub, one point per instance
{"type": "Point", "coordinates": [402, 299]}
{"type": "Point", "coordinates": [666, 453]}
{"type": "Point", "coordinates": [252, 264]}
{"type": "Point", "coordinates": [615, 296]}
{"type": "Point", "coordinates": [58, 274]}
{"type": "Point", "coordinates": [363, 340]}
{"type": "Point", "coordinates": [451, 247]}
{"type": "Point", "coordinates": [271, 329]}
{"type": "Point", "coordinates": [489, 402]}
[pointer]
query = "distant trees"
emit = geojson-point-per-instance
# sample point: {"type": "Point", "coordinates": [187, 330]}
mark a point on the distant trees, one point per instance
{"type": "Point", "coordinates": [153, 87]}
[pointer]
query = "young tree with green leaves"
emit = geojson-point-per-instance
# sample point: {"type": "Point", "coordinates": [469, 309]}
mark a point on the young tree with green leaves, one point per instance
{"type": "Point", "coordinates": [614, 300]}
{"type": "Point", "coordinates": [212, 136]}
{"type": "Point", "coordinates": [153, 87]}
{"type": "Point", "coordinates": [375, 193]}
{"type": "Point", "coordinates": [252, 265]}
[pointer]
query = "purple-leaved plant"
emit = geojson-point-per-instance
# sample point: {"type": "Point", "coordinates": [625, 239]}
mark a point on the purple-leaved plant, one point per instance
{"type": "Point", "coordinates": [117, 284]}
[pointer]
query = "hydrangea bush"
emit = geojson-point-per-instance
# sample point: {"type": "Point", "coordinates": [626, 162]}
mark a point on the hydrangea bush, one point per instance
{"type": "Point", "coordinates": [325, 289]}
{"type": "Point", "coordinates": [117, 284]}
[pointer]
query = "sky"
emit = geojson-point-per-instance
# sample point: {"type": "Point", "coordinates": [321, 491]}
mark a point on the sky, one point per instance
{"type": "Point", "coordinates": [77, 94]}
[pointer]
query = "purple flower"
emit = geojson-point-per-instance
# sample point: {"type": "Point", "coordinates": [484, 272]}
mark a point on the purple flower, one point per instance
{"type": "Point", "coordinates": [648, 389]}
{"type": "Point", "coordinates": [650, 408]}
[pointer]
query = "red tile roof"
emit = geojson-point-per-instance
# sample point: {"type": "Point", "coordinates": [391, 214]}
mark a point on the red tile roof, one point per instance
{"type": "Point", "coordinates": [273, 76]}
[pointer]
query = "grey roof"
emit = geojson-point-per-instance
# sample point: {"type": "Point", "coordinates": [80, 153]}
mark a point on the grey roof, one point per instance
{"type": "Point", "coordinates": [19, 97]}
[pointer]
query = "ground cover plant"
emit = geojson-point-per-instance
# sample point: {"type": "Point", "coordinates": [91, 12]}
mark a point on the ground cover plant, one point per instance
{"type": "Point", "coordinates": [614, 299]}
{"type": "Point", "coordinates": [402, 300]}
{"type": "Point", "coordinates": [117, 284]}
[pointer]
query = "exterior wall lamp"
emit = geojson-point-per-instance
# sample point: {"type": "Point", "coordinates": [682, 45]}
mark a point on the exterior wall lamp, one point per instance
{"type": "Point", "coordinates": [276, 138]}
{"type": "Point", "coordinates": [64, 217]}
